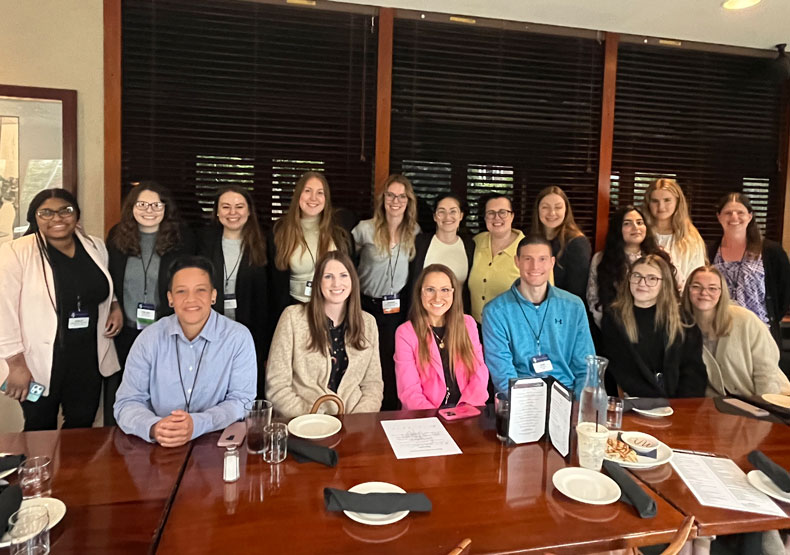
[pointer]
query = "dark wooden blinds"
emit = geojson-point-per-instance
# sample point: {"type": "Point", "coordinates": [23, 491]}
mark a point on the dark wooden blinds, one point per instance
{"type": "Point", "coordinates": [222, 92]}
{"type": "Point", "coordinates": [711, 121]}
{"type": "Point", "coordinates": [478, 109]}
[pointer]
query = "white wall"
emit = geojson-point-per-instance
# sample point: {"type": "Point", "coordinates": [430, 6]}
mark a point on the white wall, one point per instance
{"type": "Point", "coordinates": [59, 44]}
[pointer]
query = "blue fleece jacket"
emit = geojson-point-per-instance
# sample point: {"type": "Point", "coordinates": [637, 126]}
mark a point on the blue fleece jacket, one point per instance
{"type": "Point", "coordinates": [510, 344]}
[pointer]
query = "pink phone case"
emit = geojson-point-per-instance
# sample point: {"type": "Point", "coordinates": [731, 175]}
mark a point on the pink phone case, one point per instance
{"type": "Point", "coordinates": [459, 412]}
{"type": "Point", "coordinates": [233, 435]}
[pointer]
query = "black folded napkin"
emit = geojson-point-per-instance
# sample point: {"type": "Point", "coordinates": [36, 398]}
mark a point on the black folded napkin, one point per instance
{"type": "Point", "coordinates": [306, 451]}
{"type": "Point", "coordinates": [776, 473]}
{"type": "Point", "coordinates": [630, 491]}
{"type": "Point", "coordinates": [10, 500]}
{"type": "Point", "coordinates": [7, 462]}
{"type": "Point", "coordinates": [375, 503]}
{"type": "Point", "coordinates": [644, 403]}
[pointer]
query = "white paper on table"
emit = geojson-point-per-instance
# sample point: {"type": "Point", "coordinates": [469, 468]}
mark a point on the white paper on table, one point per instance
{"type": "Point", "coordinates": [527, 410]}
{"type": "Point", "coordinates": [560, 419]}
{"type": "Point", "coordinates": [719, 482]}
{"type": "Point", "coordinates": [419, 437]}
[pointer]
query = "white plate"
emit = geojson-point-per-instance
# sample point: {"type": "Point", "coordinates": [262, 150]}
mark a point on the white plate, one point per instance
{"type": "Point", "coordinates": [763, 483]}
{"type": "Point", "coordinates": [660, 412]}
{"type": "Point", "coordinates": [639, 441]}
{"type": "Point", "coordinates": [314, 426]}
{"type": "Point", "coordinates": [55, 507]}
{"type": "Point", "coordinates": [8, 472]}
{"type": "Point", "coordinates": [664, 455]}
{"type": "Point", "coordinates": [778, 400]}
{"type": "Point", "coordinates": [586, 486]}
{"type": "Point", "coordinates": [375, 519]}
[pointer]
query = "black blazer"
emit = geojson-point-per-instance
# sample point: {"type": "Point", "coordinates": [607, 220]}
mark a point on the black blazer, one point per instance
{"type": "Point", "coordinates": [117, 267]}
{"type": "Point", "coordinates": [684, 371]}
{"type": "Point", "coordinates": [777, 282]}
{"type": "Point", "coordinates": [572, 269]}
{"type": "Point", "coordinates": [252, 292]}
{"type": "Point", "coordinates": [421, 244]}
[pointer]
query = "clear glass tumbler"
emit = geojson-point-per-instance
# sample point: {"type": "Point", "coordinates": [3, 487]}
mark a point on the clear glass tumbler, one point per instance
{"type": "Point", "coordinates": [35, 477]}
{"type": "Point", "coordinates": [259, 415]}
{"type": "Point", "coordinates": [29, 531]}
{"type": "Point", "coordinates": [275, 442]}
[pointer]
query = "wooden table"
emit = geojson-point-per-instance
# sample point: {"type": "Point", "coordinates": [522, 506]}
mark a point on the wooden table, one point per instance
{"type": "Point", "coordinates": [501, 497]}
{"type": "Point", "coordinates": [697, 425]}
{"type": "Point", "coordinates": [116, 488]}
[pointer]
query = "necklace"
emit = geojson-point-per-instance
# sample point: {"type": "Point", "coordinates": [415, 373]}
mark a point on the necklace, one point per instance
{"type": "Point", "coordinates": [439, 340]}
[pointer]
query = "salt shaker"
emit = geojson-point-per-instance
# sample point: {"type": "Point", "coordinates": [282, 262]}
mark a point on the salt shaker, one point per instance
{"type": "Point", "coordinates": [230, 470]}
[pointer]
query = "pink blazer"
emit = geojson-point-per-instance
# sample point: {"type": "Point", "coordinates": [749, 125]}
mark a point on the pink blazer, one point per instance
{"type": "Point", "coordinates": [417, 392]}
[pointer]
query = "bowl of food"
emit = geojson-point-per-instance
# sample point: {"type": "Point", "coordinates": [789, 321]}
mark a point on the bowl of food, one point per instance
{"type": "Point", "coordinates": [639, 442]}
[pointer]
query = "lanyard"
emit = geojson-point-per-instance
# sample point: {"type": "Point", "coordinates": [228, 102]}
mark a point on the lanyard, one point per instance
{"type": "Point", "coordinates": [42, 252]}
{"type": "Point", "coordinates": [391, 269]}
{"type": "Point", "coordinates": [531, 329]}
{"type": "Point", "coordinates": [181, 378]}
{"type": "Point", "coordinates": [145, 271]}
{"type": "Point", "coordinates": [233, 270]}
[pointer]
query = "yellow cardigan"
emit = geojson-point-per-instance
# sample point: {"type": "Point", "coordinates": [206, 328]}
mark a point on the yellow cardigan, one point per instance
{"type": "Point", "coordinates": [491, 275]}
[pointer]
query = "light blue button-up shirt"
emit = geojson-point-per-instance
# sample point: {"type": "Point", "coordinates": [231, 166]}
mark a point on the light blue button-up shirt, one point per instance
{"type": "Point", "coordinates": [216, 387]}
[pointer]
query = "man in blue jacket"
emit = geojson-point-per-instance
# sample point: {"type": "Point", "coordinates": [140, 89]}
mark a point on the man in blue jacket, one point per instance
{"type": "Point", "coordinates": [535, 329]}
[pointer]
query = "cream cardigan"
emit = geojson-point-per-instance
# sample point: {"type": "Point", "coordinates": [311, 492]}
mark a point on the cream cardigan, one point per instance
{"type": "Point", "coordinates": [746, 361]}
{"type": "Point", "coordinates": [296, 376]}
{"type": "Point", "coordinates": [29, 324]}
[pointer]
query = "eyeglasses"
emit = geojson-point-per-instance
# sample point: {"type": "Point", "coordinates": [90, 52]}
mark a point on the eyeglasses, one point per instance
{"type": "Point", "coordinates": [392, 197]}
{"type": "Point", "coordinates": [698, 288]}
{"type": "Point", "coordinates": [650, 281]}
{"type": "Point", "coordinates": [491, 214]}
{"type": "Point", "coordinates": [155, 206]}
{"type": "Point", "coordinates": [65, 213]}
{"type": "Point", "coordinates": [444, 291]}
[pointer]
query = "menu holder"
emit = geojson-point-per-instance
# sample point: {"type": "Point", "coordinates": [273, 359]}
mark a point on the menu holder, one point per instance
{"type": "Point", "coordinates": [538, 407]}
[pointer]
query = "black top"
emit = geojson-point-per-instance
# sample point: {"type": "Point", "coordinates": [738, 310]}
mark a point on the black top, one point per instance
{"type": "Point", "coordinates": [777, 282]}
{"type": "Point", "coordinates": [650, 347]}
{"type": "Point", "coordinates": [117, 267]}
{"type": "Point", "coordinates": [452, 392]}
{"type": "Point", "coordinates": [572, 268]}
{"type": "Point", "coordinates": [683, 375]}
{"type": "Point", "coordinates": [337, 335]}
{"type": "Point", "coordinates": [421, 244]}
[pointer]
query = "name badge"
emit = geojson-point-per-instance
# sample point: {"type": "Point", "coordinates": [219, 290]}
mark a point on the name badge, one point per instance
{"type": "Point", "coordinates": [390, 304]}
{"type": "Point", "coordinates": [308, 288]}
{"type": "Point", "coordinates": [541, 364]}
{"type": "Point", "coordinates": [230, 302]}
{"type": "Point", "coordinates": [79, 320]}
{"type": "Point", "coordinates": [146, 314]}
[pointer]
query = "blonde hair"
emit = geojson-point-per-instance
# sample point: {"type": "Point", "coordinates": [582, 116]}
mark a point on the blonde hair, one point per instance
{"type": "Point", "coordinates": [381, 231]}
{"type": "Point", "coordinates": [685, 234]}
{"type": "Point", "coordinates": [667, 306]}
{"type": "Point", "coordinates": [567, 230]}
{"type": "Point", "coordinates": [459, 346]}
{"type": "Point", "coordinates": [288, 235]}
{"type": "Point", "coordinates": [722, 319]}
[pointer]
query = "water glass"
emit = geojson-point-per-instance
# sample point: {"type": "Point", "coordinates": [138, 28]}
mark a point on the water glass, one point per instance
{"type": "Point", "coordinates": [275, 442]}
{"type": "Point", "coordinates": [614, 413]}
{"type": "Point", "coordinates": [259, 415]}
{"type": "Point", "coordinates": [29, 531]}
{"type": "Point", "coordinates": [35, 477]}
{"type": "Point", "coordinates": [591, 444]}
{"type": "Point", "coordinates": [502, 412]}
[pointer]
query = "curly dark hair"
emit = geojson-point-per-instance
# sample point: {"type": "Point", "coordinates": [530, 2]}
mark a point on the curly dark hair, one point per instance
{"type": "Point", "coordinates": [614, 265]}
{"type": "Point", "coordinates": [126, 235]}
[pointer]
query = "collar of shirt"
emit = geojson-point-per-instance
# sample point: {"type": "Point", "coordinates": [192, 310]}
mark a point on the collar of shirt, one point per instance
{"type": "Point", "coordinates": [549, 293]}
{"type": "Point", "coordinates": [208, 333]}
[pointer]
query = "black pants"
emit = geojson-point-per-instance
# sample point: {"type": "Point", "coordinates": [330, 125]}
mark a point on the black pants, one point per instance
{"type": "Point", "coordinates": [123, 344]}
{"type": "Point", "coordinates": [387, 324]}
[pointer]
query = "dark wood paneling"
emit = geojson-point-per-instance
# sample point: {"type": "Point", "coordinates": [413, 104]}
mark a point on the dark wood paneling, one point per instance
{"type": "Point", "coordinates": [384, 98]}
{"type": "Point", "coordinates": [112, 113]}
{"type": "Point", "coordinates": [607, 135]}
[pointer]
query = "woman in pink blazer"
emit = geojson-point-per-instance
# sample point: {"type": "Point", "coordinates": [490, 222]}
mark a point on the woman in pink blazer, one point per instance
{"type": "Point", "coordinates": [438, 357]}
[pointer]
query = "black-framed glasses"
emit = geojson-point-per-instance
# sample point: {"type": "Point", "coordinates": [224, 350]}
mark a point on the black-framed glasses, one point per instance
{"type": "Point", "coordinates": [392, 197]}
{"type": "Point", "coordinates": [65, 213]}
{"type": "Point", "coordinates": [155, 206]}
{"type": "Point", "coordinates": [650, 281]}
{"type": "Point", "coordinates": [501, 214]}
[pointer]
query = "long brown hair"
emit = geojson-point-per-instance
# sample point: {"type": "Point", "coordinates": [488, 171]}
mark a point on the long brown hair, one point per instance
{"type": "Point", "coordinates": [288, 234]}
{"type": "Point", "coordinates": [722, 319]}
{"type": "Point", "coordinates": [459, 346]}
{"type": "Point", "coordinates": [667, 306]}
{"type": "Point", "coordinates": [685, 234]}
{"type": "Point", "coordinates": [253, 243]}
{"type": "Point", "coordinates": [567, 230]}
{"type": "Point", "coordinates": [381, 231]}
{"type": "Point", "coordinates": [754, 239]}
{"type": "Point", "coordinates": [126, 237]}
{"type": "Point", "coordinates": [316, 316]}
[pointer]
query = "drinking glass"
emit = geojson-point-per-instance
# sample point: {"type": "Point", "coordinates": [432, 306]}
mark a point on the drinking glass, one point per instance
{"type": "Point", "coordinates": [591, 444]}
{"type": "Point", "coordinates": [275, 442]}
{"type": "Point", "coordinates": [614, 413]}
{"type": "Point", "coordinates": [29, 531]}
{"type": "Point", "coordinates": [259, 415]}
{"type": "Point", "coordinates": [502, 412]}
{"type": "Point", "coordinates": [35, 477]}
